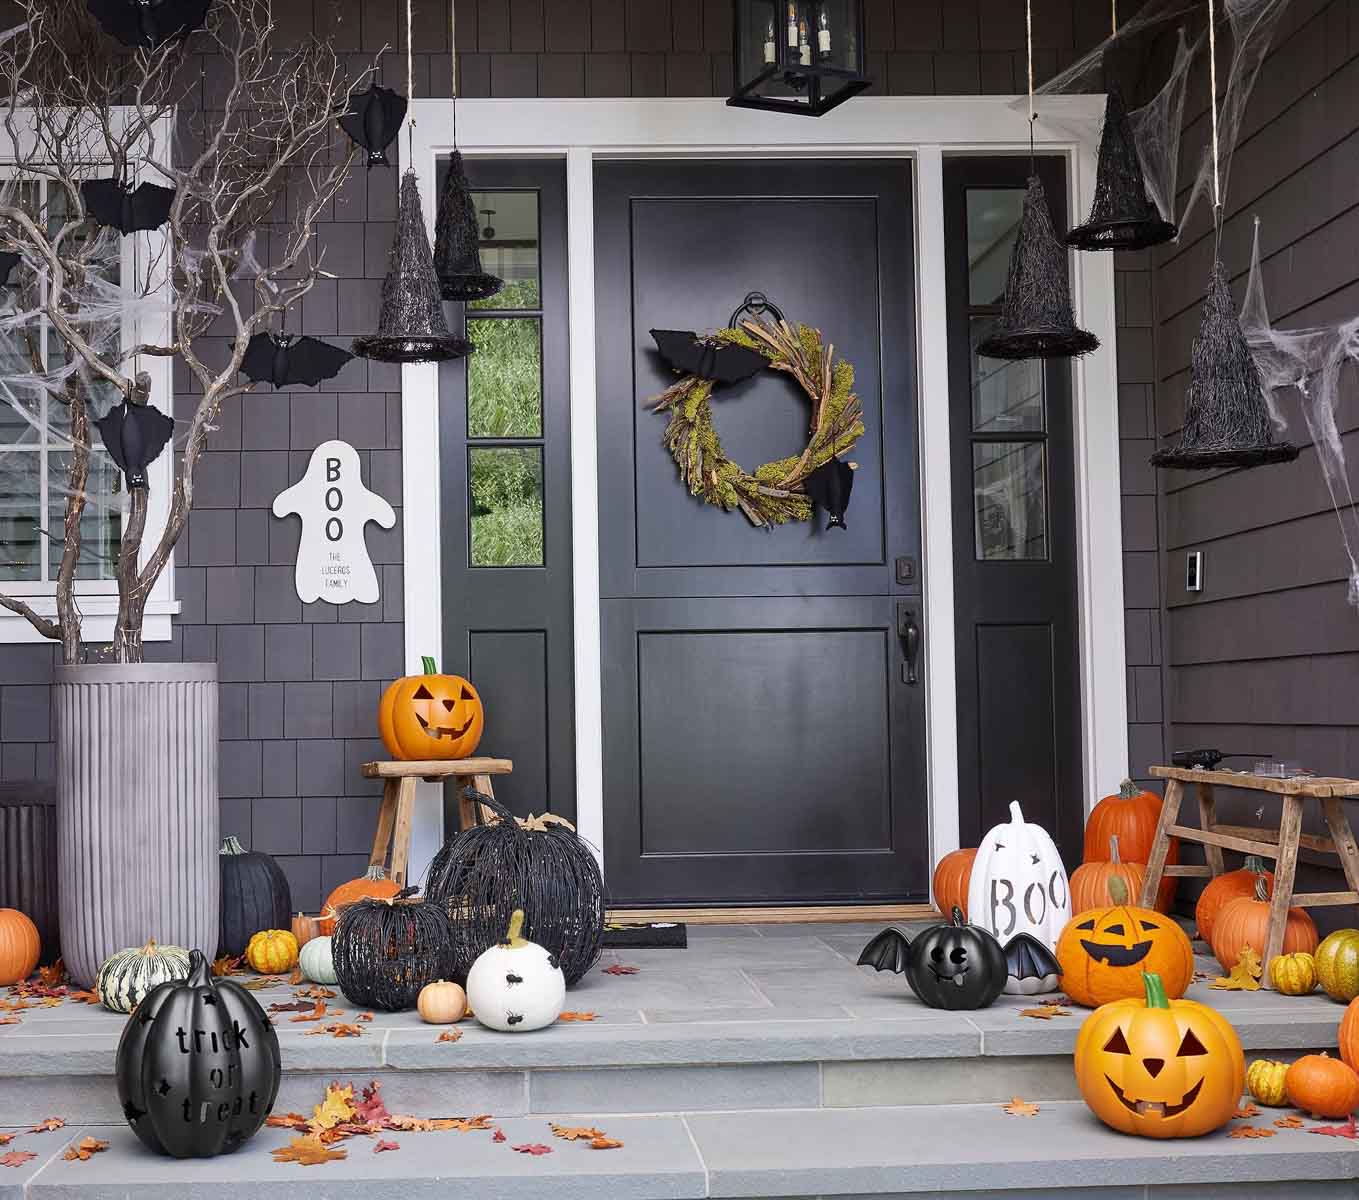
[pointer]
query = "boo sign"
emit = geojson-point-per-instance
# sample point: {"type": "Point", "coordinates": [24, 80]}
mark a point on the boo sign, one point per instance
{"type": "Point", "coordinates": [332, 558]}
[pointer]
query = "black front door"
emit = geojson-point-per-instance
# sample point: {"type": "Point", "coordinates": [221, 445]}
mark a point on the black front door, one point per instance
{"type": "Point", "coordinates": [761, 741]}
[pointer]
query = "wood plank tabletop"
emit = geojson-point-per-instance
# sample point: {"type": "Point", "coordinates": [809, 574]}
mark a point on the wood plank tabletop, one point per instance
{"type": "Point", "coordinates": [437, 769]}
{"type": "Point", "coordinates": [1303, 785]}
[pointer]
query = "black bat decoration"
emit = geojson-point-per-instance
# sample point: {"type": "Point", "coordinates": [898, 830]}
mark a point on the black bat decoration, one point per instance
{"type": "Point", "coordinates": [888, 951]}
{"type": "Point", "coordinates": [282, 359]}
{"type": "Point", "coordinates": [9, 259]}
{"type": "Point", "coordinates": [1031, 967]}
{"type": "Point", "coordinates": [111, 202]}
{"type": "Point", "coordinates": [134, 435]}
{"type": "Point", "coordinates": [148, 23]}
{"type": "Point", "coordinates": [373, 120]}
{"type": "Point", "coordinates": [829, 487]}
{"type": "Point", "coordinates": [707, 358]}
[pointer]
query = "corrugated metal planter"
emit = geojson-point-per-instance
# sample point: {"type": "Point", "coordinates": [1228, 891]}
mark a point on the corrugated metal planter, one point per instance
{"type": "Point", "coordinates": [137, 797]}
{"type": "Point", "coordinates": [28, 858]}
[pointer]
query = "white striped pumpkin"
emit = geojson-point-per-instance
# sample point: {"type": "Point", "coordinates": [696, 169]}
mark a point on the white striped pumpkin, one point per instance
{"type": "Point", "coordinates": [126, 977]}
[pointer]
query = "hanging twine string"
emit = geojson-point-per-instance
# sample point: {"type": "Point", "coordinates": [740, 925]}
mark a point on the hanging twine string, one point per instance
{"type": "Point", "coordinates": [1113, 18]}
{"type": "Point", "coordinates": [1028, 43]}
{"type": "Point", "coordinates": [453, 63]}
{"type": "Point", "coordinates": [410, 76]}
{"type": "Point", "coordinates": [1212, 99]}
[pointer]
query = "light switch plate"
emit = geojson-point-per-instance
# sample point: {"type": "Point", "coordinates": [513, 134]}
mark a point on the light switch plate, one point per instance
{"type": "Point", "coordinates": [1193, 571]}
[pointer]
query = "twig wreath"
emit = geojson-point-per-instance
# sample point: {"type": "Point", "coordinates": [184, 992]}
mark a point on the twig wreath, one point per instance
{"type": "Point", "coordinates": [773, 494]}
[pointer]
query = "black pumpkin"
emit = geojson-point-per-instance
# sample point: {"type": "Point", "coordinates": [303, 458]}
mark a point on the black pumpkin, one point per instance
{"type": "Point", "coordinates": [385, 951]}
{"type": "Point", "coordinates": [198, 1066]}
{"type": "Point", "coordinates": [956, 965]}
{"type": "Point", "coordinates": [255, 896]}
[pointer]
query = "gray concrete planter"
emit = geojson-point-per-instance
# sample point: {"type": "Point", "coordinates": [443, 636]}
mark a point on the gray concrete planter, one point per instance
{"type": "Point", "coordinates": [136, 760]}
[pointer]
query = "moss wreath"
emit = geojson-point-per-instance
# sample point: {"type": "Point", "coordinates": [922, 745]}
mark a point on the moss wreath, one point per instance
{"type": "Point", "coordinates": [772, 494]}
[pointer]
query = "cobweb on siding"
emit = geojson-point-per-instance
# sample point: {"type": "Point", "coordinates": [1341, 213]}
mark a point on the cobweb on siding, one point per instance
{"type": "Point", "coordinates": [1311, 361]}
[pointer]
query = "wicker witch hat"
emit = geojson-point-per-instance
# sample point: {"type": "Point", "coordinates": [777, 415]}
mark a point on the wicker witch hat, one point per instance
{"type": "Point", "coordinates": [1226, 422]}
{"type": "Point", "coordinates": [411, 326]}
{"type": "Point", "coordinates": [1123, 216]}
{"type": "Point", "coordinates": [1036, 320]}
{"type": "Point", "coordinates": [457, 242]}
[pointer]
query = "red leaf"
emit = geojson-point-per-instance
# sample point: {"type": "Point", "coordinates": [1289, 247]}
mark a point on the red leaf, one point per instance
{"type": "Point", "coordinates": [16, 1158]}
{"type": "Point", "coordinates": [372, 1108]}
{"type": "Point", "coordinates": [1346, 1130]}
{"type": "Point", "coordinates": [498, 1136]}
{"type": "Point", "coordinates": [620, 969]}
{"type": "Point", "coordinates": [381, 1146]}
{"type": "Point", "coordinates": [534, 1148]}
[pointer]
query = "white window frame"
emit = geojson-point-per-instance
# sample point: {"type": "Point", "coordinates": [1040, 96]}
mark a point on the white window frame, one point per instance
{"type": "Point", "coordinates": [143, 258]}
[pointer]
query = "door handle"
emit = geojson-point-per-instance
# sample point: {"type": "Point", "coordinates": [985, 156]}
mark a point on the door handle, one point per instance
{"type": "Point", "coordinates": [909, 633]}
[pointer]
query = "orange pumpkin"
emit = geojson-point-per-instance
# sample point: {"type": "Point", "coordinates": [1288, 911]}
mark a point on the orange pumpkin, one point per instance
{"type": "Point", "coordinates": [1131, 815]}
{"type": "Point", "coordinates": [951, 878]}
{"type": "Point", "coordinates": [1323, 1086]}
{"type": "Point", "coordinates": [430, 716]}
{"type": "Point", "coordinates": [304, 928]}
{"type": "Point", "coordinates": [372, 883]}
{"type": "Point", "coordinates": [1223, 890]}
{"type": "Point", "coordinates": [19, 946]}
{"type": "Point", "coordinates": [1090, 881]}
{"type": "Point", "coordinates": [1348, 1035]}
{"type": "Point", "coordinates": [1245, 922]}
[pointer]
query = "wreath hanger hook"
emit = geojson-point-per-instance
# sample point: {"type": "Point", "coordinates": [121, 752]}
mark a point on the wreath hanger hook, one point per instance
{"type": "Point", "coordinates": [755, 304]}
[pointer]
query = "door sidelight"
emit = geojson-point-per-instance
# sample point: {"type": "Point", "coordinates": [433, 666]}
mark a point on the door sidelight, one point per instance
{"type": "Point", "coordinates": [909, 633]}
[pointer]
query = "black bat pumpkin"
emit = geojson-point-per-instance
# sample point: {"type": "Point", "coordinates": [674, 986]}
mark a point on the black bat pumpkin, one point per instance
{"type": "Point", "coordinates": [148, 23]}
{"type": "Point", "coordinates": [111, 202]}
{"type": "Point", "coordinates": [1031, 968]}
{"type": "Point", "coordinates": [829, 487]}
{"type": "Point", "coordinates": [9, 259]}
{"type": "Point", "coordinates": [723, 362]}
{"type": "Point", "coordinates": [282, 359]}
{"type": "Point", "coordinates": [134, 435]}
{"type": "Point", "coordinates": [198, 1065]}
{"type": "Point", "coordinates": [953, 966]}
{"type": "Point", "coordinates": [373, 119]}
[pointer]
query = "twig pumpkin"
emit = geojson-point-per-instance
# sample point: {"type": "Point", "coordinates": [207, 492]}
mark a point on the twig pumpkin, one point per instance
{"type": "Point", "coordinates": [1245, 922]}
{"type": "Point", "coordinates": [1323, 1086]}
{"type": "Point", "coordinates": [1337, 961]}
{"type": "Point", "coordinates": [255, 896]}
{"type": "Point", "coordinates": [19, 946]}
{"type": "Point", "coordinates": [951, 878]}
{"type": "Point", "coordinates": [430, 716]}
{"type": "Point", "coordinates": [386, 951]}
{"type": "Point", "coordinates": [1104, 952]}
{"type": "Point", "coordinates": [1131, 815]}
{"type": "Point", "coordinates": [1225, 888]}
{"type": "Point", "coordinates": [1090, 881]}
{"type": "Point", "coordinates": [1157, 1067]}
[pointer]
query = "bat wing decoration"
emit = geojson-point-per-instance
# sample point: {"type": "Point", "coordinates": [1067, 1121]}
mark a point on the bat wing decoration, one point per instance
{"type": "Point", "coordinates": [134, 435]}
{"type": "Point", "coordinates": [888, 951]}
{"type": "Point", "coordinates": [373, 119]}
{"type": "Point", "coordinates": [829, 487]}
{"type": "Point", "coordinates": [9, 259]}
{"type": "Point", "coordinates": [283, 360]}
{"type": "Point", "coordinates": [1031, 968]}
{"type": "Point", "coordinates": [708, 359]}
{"type": "Point", "coordinates": [148, 23]}
{"type": "Point", "coordinates": [111, 202]}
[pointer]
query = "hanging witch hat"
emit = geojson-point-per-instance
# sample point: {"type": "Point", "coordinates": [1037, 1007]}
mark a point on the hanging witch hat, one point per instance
{"type": "Point", "coordinates": [1036, 320]}
{"type": "Point", "coordinates": [1226, 421]}
{"type": "Point", "coordinates": [457, 241]}
{"type": "Point", "coordinates": [411, 326]}
{"type": "Point", "coordinates": [1123, 216]}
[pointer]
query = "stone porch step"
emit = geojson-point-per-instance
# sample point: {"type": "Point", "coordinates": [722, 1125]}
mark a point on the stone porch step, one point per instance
{"type": "Point", "coordinates": [880, 1152]}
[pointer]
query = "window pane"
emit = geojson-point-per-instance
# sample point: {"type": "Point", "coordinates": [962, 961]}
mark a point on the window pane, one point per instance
{"type": "Point", "coordinates": [992, 226]}
{"type": "Point", "coordinates": [1009, 494]}
{"type": "Point", "coordinates": [1007, 397]}
{"type": "Point", "coordinates": [20, 488]}
{"type": "Point", "coordinates": [509, 247]}
{"type": "Point", "coordinates": [100, 522]}
{"type": "Point", "coordinates": [505, 378]}
{"type": "Point", "coordinates": [20, 396]}
{"type": "Point", "coordinates": [506, 506]}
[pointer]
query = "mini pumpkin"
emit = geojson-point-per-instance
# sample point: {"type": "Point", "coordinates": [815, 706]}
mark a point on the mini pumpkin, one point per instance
{"type": "Point", "coordinates": [442, 1002]}
{"type": "Point", "coordinates": [373, 884]}
{"type": "Point", "coordinates": [1157, 1067]}
{"type": "Point", "coordinates": [304, 928]}
{"type": "Point", "coordinates": [1348, 1035]}
{"type": "Point", "coordinates": [1245, 922]}
{"type": "Point", "coordinates": [951, 878]}
{"type": "Point", "coordinates": [1131, 815]}
{"type": "Point", "coordinates": [1293, 974]}
{"type": "Point", "coordinates": [430, 716]}
{"type": "Point", "coordinates": [1104, 951]}
{"type": "Point", "coordinates": [19, 946]}
{"type": "Point", "coordinates": [1337, 960]}
{"type": "Point", "coordinates": [128, 976]}
{"type": "Point", "coordinates": [272, 951]}
{"type": "Point", "coordinates": [317, 960]}
{"type": "Point", "coordinates": [1323, 1086]}
{"type": "Point", "coordinates": [1265, 1082]}
{"type": "Point", "coordinates": [516, 985]}
{"type": "Point", "coordinates": [1090, 881]}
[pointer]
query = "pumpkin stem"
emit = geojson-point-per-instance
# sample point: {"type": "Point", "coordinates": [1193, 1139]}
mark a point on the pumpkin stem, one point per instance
{"type": "Point", "coordinates": [231, 846]}
{"type": "Point", "coordinates": [150, 947]}
{"type": "Point", "coordinates": [377, 873]}
{"type": "Point", "coordinates": [1118, 890]}
{"type": "Point", "coordinates": [1255, 864]}
{"type": "Point", "coordinates": [1155, 989]}
{"type": "Point", "coordinates": [428, 665]}
{"type": "Point", "coordinates": [1016, 814]}
{"type": "Point", "coordinates": [1262, 887]}
{"type": "Point", "coordinates": [200, 975]}
{"type": "Point", "coordinates": [514, 936]}
{"type": "Point", "coordinates": [956, 916]}
{"type": "Point", "coordinates": [1113, 849]}
{"type": "Point", "coordinates": [1127, 790]}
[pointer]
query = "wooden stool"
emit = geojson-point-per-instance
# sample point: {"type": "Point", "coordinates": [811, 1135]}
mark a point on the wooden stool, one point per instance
{"type": "Point", "coordinates": [1281, 845]}
{"type": "Point", "coordinates": [398, 801]}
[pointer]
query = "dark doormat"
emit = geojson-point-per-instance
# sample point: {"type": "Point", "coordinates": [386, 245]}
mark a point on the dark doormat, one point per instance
{"type": "Point", "coordinates": [658, 935]}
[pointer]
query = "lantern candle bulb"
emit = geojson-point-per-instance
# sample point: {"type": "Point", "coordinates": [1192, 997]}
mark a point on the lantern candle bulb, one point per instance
{"type": "Point", "coordinates": [792, 25]}
{"type": "Point", "coordinates": [769, 54]}
{"type": "Point", "coordinates": [823, 33]}
{"type": "Point", "coordinates": [804, 47]}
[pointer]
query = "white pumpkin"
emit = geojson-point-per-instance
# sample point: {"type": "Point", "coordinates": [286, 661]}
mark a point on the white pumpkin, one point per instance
{"type": "Point", "coordinates": [1018, 883]}
{"type": "Point", "coordinates": [516, 985]}
{"type": "Point", "coordinates": [316, 961]}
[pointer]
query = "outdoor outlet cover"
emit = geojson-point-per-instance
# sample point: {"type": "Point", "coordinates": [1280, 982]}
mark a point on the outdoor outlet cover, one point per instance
{"type": "Point", "coordinates": [1193, 571]}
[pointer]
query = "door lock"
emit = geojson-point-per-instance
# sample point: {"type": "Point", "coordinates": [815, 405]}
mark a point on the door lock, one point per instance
{"type": "Point", "coordinates": [909, 633]}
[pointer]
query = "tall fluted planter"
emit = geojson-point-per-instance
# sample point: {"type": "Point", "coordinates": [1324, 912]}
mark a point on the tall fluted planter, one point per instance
{"type": "Point", "coordinates": [28, 858]}
{"type": "Point", "coordinates": [137, 805]}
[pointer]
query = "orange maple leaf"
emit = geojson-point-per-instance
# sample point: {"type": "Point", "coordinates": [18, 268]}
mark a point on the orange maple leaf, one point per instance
{"type": "Point", "coordinates": [1045, 1012]}
{"type": "Point", "coordinates": [53, 976]}
{"type": "Point", "coordinates": [316, 992]}
{"type": "Point", "coordinates": [575, 1133]}
{"type": "Point", "coordinates": [1019, 1107]}
{"type": "Point", "coordinates": [1245, 976]}
{"type": "Point", "coordinates": [309, 1151]}
{"type": "Point", "coordinates": [577, 1016]}
{"type": "Point", "coordinates": [365, 1017]}
{"type": "Point", "coordinates": [1289, 1122]}
{"type": "Point", "coordinates": [318, 1011]}
{"type": "Point", "coordinates": [450, 1035]}
{"type": "Point", "coordinates": [11, 1021]}
{"type": "Point", "coordinates": [1250, 1131]}
{"type": "Point", "coordinates": [84, 1149]}
{"type": "Point", "coordinates": [290, 1120]}
{"type": "Point", "coordinates": [605, 1143]}
{"type": "Point", "coordinates": [48, 1125]}
{"type": "Point", "coordinates": [1245, 1110]}
{"type": "Point", "coordinates": [6, 1138]}
{"type": "Point", "coordinates": [226, 965]}
{"type": "Point", "coordinates": [84, 997]}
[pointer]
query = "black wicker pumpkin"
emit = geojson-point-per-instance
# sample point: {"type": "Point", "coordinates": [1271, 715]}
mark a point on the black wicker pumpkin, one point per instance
{"type": "Point", "coordinates": [255, 896]}
{"type": "Point", "coordinates": [385, 951]}
{"type": "Point", "coordinates": [481, 875]}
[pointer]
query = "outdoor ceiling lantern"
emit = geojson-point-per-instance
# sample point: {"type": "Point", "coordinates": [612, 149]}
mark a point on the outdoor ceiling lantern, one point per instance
{"type": "Point", "coordinates": [797, 56]}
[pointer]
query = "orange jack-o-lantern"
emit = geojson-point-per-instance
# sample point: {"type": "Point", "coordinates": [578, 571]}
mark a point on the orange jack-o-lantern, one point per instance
{"type": "Point", "coordinates": [430, 716]}
{"type": "Point", "coordinates": [1160, 1068]}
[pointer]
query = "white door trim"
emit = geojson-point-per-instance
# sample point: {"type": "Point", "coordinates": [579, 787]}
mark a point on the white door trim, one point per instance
{"type": "Point", "coordinates": [925, 129]}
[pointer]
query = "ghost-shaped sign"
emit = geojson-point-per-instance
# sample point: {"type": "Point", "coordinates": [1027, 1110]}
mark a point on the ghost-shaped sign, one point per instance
{"type": "Point", "coordinates": [335, 507]}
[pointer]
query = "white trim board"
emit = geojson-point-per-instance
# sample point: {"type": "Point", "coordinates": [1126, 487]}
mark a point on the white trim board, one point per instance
{"type": "Point", "coordinates": [925, 129]}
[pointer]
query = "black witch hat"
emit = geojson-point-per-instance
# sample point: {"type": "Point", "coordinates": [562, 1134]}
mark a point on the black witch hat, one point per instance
{"type": "Point", "coordinates": [411, 326]}
{"type": "Point", "coordinates": [1036, 320]}
{"type": "Point", "coordinates": [457, 241]}
{"type": "Point", "coordinates": [1123, 216]}
{"type": "Point", "coordinates": [1226, 421]}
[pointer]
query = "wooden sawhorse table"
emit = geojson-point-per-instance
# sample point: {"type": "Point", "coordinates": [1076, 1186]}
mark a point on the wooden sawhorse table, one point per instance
{"type": "Point", "coordinates": [398, 801]}
{"type": "Point", "coordinates": [1282, 846]}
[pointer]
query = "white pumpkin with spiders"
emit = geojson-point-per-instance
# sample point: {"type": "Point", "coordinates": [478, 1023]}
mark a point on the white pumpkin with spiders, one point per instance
{"type": "Point", "coordinates": [516, 985]}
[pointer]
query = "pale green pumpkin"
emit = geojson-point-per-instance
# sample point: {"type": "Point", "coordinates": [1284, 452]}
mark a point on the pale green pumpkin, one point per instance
{"type": "Point", "coordinates": [316, 962]}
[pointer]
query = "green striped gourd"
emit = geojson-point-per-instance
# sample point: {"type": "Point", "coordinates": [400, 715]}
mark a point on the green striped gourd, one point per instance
{"type": "Point", "coordinates": [126, 977]}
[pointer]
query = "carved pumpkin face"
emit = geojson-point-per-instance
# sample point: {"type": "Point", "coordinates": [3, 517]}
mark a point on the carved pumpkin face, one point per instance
{"type": "Point", "coordinates": [1159, 1068]}
{"type": "Point", "coordinates": [430, 716]}
{"type": "Point", "coordinates": [956, 966]}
